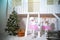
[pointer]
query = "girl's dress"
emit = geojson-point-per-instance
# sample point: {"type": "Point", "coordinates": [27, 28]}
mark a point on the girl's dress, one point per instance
{"type": "Point", "coordinates": [46, 28]}
{"type": "Point", "coordinates": [33, 27]}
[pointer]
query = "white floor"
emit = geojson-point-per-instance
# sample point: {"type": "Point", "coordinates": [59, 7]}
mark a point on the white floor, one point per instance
{"type": "Point", "coordinates": [25, 38]}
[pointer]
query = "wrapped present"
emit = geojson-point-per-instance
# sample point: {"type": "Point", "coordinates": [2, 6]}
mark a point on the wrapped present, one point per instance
{"type": "Point", "coordinates": [21, 33]}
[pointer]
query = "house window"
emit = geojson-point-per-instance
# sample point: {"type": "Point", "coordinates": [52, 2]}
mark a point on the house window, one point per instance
{"type": "Point", "coordinates": [30, 5]}
{"type": "Point", "coordinates": [50, 2]}
{"type": "Point", "coordinates": [53, 2]}
{"type": "Point", "coordinates": [16, 2]}
{"type": "Point", "coordinates": [33, 5]}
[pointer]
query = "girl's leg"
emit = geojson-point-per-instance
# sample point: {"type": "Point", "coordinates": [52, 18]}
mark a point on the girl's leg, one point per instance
{"type": "Point", "coordinates": [32, 32]}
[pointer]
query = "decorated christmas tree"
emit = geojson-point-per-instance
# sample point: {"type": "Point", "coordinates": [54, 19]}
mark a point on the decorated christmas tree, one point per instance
{"type": "Point", "coordinates": [12, 24]}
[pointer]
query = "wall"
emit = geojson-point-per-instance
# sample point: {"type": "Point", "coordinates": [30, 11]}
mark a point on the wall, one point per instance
{"type": "Point", "coordinates": [2, 15]}
{"type": "Point", "coordinates": [2, 18]}
{"type": "Point", "coordinates": [44, 8]}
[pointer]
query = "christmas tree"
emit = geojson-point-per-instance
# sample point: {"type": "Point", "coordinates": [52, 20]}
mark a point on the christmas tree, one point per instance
{"type": "Point", "coordinates": [12, 24]}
